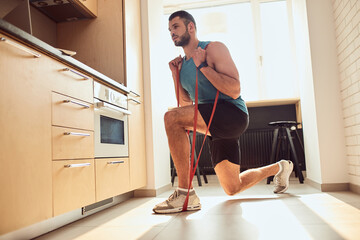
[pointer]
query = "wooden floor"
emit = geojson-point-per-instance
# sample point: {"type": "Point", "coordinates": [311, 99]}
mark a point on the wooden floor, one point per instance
{"type": "Point", "coordinates": [257, 213]}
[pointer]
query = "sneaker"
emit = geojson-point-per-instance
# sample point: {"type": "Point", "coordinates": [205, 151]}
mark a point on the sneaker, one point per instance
{"type": "Point", "coordinates": [281, 179]}
{"type": "Point", "coordinates": [175, 202]}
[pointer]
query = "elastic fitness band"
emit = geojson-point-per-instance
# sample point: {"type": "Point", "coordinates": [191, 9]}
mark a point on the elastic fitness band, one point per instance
{"type": "Point", "coordinates": [192, 168]}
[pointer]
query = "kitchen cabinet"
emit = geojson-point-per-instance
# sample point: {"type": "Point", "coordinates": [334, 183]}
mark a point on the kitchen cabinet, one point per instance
{"type": "Point", "coordinates": [72, 138]}
{"type": "Point", "coordinates": [69, 143]}
{"type": "Point", "coordinates": [71, 112]}
{"type": "Point", "coordinates": [89, 5]}
{"type": "Point", "coordinates": [25, 126]}
{"type": "Point", "coordinates": [112, 177]}
{"type": "Point", "coordinates": [74, 184]}
{"type": "Point", "coordinates": [99, 42]}
{"type": "Point", "coordinates": [134, 73]}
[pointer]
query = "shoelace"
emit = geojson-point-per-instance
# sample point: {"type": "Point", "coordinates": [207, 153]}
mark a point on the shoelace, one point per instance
{"type": "Point", "coordinates": [172, 196]}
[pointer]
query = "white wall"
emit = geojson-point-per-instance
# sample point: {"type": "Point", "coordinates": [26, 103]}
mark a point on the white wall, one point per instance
{"type": "Point", "coordinates": [320, 94]}
{"type": "Point", "coordinates": [158, 92]}
{"type": "Point", "coordinates": [347, 22]}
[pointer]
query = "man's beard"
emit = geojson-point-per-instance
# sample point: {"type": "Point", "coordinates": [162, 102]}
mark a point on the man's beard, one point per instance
{"type": "Point", "coordinates": [184, 39]}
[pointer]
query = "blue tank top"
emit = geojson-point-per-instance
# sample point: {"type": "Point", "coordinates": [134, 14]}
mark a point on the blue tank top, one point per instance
{"type": "Point", "coordinates": [206, 91]}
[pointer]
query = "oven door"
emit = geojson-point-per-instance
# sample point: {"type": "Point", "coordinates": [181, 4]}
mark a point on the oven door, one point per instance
{"type": "Point", "coordinates": [111, 130]}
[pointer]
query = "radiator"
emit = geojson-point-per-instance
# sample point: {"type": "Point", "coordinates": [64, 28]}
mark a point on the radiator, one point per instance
{"type": "Point", "coordinates": [255, 148]}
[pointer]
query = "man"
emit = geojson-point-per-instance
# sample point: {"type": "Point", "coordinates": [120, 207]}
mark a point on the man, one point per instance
{"type": "Point", "coordinates": [216, 71]}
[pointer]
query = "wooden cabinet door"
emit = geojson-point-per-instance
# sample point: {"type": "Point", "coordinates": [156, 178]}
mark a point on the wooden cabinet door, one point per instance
{"type": "Point", "coordinates": [89, 5]}
{"type": "Point", "coordinates": [69, 143]}
{"type": "Point", "coordinates": [25, 140]}
{"type": "Point", "coordinates": [135, 83]}
{"type": "Point", "coordinates": [70, 112]}
{"type": "Point", "coordinates": [112, 177]}
{"type": "Point", "coordinates": [137, 146]}
{"type": "Point", "coordinates": [74, 184]}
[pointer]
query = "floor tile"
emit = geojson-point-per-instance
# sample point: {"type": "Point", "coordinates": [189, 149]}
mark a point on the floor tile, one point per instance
{"type": "Point", "coordinates": [257, 213]}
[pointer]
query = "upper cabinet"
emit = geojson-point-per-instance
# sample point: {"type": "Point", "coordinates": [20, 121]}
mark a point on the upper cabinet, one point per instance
{"type": "Point", "coordinates": [66, 10]}
{"type": "Point", "coordinates": [98, 43]}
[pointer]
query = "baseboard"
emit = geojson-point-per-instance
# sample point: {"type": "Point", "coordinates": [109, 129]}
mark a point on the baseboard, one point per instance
{"type": "Point", "coordinates": [354, 188]}
{"type": "Point", "coordinates": [151, 192]}
{"type": "Point", "coordinates": [329, 187]}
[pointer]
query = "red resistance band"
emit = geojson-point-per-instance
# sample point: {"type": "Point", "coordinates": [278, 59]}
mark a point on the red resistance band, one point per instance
{"type": "Point", "coordinates": [192, 167]}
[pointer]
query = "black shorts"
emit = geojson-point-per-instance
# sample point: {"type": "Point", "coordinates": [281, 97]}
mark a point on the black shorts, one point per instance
{"type": "Point", "coordinates": [228, 123]}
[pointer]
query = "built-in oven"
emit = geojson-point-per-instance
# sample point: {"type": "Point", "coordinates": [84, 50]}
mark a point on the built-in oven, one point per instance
{"type": "Point", "coordinates": [111, 122]}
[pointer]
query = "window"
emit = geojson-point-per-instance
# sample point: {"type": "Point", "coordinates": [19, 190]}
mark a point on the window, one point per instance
{"type": "Point", "coordinates": [257, 34]}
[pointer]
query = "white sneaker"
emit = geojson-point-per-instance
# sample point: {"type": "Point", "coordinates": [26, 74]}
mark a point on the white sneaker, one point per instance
{"type": "Point", "coordinates": [281, 179]}
{"type": "Point", "coordinates": [175, 202]}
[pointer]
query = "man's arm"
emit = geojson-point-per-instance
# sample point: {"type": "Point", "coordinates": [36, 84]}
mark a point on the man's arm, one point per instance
{"type": "Point", "coordinates": [184, 98]}
{"type": "Point", "coordinates": [221, 70]}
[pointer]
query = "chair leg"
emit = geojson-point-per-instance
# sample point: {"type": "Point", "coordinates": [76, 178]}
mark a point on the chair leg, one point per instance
{"type": "Point", "coordinates": [273, 150]}
{"type": "Point", "coordinates": [173, 172]}
{"type": "Point", "coordinates": [197, 170]}
{"type": "Point", "coordinates": [205, 178]}
{"type": "Point", "coordinates": [297, 167]}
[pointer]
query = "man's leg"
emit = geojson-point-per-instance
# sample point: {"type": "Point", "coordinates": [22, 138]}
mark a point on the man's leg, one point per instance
{"type": "Point", "coordinates": [234, 182]}
{"type": "Point", "coordinates": [177, 121]}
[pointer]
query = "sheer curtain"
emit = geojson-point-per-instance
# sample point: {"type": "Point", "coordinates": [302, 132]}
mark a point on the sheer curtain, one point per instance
{"type": "Point", "coordinates": [258, 38]}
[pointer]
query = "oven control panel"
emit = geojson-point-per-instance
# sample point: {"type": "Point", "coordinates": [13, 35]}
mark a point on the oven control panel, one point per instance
{"type": "Point", "coordinates": [106, 94]}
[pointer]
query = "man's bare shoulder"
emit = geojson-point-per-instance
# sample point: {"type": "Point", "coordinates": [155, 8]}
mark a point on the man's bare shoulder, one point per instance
{"type": "Point", "coordinates": [217, 51]}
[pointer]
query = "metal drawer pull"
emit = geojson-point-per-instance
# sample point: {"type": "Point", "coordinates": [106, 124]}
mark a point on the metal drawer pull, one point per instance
{"type": "Point", "coordinates": [115, 162]}
{"type": "Point", "coordinates": [14, 44]}
{"type": "Point", "coordinates": [77, 165]}
{"type": "Point", "coordinates": [134, 93]}
{"type": "Point", "coordinates": [134, 100]}
{"type": "Point", "coordinates": [80, 74]}
{"type": "Point", "coordinates": [77, 134]}
{"type": "Point", "coordinates": [78, 103]}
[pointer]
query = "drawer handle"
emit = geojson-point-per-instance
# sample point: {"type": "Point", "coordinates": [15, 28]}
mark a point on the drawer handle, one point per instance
{"type": "Point", "coordinates": [115, 162]}
{"type": "Point", "coordinates": [76, 72]}
{"type": "Point", "coordinates": [77, 165]}
{"type": "Point", "coordinates": [134, 93]}
{"type": "Point", "coordinates": [78, 103]}
{"type": "Point", "coordinates": [77, 134]}
{"type": "Point", "coordinates": [14, 44]}
{"type": "Point", "coordinates": [134, 100]}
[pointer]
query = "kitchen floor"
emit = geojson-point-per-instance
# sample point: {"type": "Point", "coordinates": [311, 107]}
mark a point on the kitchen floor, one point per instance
{"type": "Point", "coordinates": [302, 213]}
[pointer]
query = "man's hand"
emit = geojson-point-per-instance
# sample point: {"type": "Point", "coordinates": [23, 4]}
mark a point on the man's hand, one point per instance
{"type": "Point", "coordinates": [175, 64]}
{"type": "Point", "coordinates": [199, 56]}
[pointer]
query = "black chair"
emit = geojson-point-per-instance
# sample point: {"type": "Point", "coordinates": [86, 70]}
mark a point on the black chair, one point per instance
{"type": "Point", "coordinates": [173, 170]}
{"type": "Point", "coordinates": [282, 136]}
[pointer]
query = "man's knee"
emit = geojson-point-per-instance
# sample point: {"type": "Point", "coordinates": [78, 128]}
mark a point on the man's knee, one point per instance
{"type": "Point", "coordinates": [232, 190]}
{"type": "Point", "coordinates": [169, 118]}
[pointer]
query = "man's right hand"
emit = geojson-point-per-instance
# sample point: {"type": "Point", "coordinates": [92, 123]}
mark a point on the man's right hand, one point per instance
{"type": "Point", "coordinates": [175, 64]}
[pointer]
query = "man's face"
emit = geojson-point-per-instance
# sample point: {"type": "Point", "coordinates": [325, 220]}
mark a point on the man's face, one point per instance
{"type": "Point", "coordinates": [179, 32]}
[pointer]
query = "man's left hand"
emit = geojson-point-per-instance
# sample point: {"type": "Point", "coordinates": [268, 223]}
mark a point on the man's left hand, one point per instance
{"type": "Point", "coordinates": [199, 56]}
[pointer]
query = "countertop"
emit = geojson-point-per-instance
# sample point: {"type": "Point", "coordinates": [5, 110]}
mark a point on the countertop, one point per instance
{"type": "Point", "coordinates": [28, 39]}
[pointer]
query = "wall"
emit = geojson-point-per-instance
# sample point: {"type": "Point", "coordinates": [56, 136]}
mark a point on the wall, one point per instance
{"type": "Point", "coordinates": [159, 95]}
{"type": "Point", "coordinates": [347, 19]}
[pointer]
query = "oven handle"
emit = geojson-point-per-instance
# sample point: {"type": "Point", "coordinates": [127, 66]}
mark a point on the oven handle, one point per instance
{"type": "Point", "coordinates": [111, 107]}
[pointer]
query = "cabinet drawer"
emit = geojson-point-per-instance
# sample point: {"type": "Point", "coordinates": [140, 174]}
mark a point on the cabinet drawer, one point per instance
{"type": "Point", "coordinates": [70, 112]}
{"type": "Point", "coordinates": [68, 143]}
{"type": "Point", "coordinates": [73, 184]}
{"type": "Point", "coordinates": [70, 82]}
{"type": "Point", "coordinates": [112, 177]}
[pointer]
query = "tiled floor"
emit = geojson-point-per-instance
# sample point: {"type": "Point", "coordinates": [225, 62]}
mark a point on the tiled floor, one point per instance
{"type": "Point", "coordinates": [257, 213]}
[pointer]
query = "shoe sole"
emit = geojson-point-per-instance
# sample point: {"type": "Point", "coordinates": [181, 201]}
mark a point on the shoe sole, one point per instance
{"type": "Point", "coordinates": [177, 210]}
{"type": "Point", "coordinates": [288, 177]}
